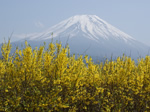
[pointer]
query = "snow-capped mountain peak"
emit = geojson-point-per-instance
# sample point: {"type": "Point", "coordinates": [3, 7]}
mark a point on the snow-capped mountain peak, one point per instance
{"type": "Point", "coordinates": [88, 34]}
{"type": "Point", "coordinates": [89, 26]}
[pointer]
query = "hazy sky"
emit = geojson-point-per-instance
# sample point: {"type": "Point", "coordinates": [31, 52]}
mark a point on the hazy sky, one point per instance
{"type": "Point", "coordinates": [29, 16]}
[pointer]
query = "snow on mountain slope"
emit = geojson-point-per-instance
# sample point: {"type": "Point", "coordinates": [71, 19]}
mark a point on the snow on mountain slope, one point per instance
{"type": "Point", "coordinates": [88, 34]}
{"type": "Point", "coordinates": [90, 25]}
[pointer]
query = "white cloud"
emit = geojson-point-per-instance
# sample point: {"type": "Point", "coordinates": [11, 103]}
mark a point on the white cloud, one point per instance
{"type": "Point", "coordinates": [39, 24]}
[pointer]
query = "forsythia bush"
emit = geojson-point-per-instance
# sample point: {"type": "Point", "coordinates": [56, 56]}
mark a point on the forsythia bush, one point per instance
{"type": "Point", "coordinates": [45, 80]}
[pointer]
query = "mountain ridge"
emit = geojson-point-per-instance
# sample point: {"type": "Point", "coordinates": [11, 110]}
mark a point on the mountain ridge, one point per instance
{"type": "Point", "coordinates": [89, 34]}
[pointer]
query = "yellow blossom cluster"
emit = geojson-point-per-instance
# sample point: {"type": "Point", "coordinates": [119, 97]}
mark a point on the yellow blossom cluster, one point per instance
{"type": "Point", "coordinates": [50, 79]}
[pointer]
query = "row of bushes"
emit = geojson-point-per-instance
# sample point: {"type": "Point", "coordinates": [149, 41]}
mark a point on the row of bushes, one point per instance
{"type": "Point", "coordinates": [44, 80]}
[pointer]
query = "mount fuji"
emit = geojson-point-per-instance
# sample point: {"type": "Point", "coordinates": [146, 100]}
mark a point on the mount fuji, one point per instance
{"type": "Point", "coordinates": [88, 34]}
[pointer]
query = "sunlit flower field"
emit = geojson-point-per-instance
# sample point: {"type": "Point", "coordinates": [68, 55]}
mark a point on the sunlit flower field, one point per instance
{"type": "Point", "coordinates": [51, 80]}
